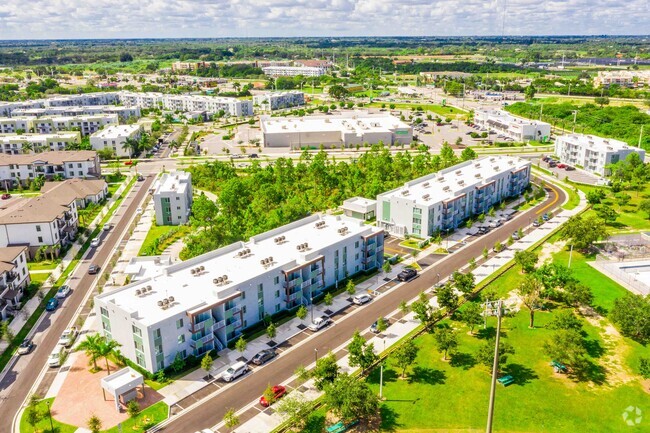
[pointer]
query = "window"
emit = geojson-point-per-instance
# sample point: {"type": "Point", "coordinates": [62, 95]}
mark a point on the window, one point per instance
{"type": "Point", "coordinates": [179, 323]}
{"type": "Point", "coordinates": [106, 326]}
{"type": "Point", "coordinates": [356, 256]}
{"type": "Point", "coordinates": [277, 293]}
{"type": "Point", "coordinates": [181, 339]}
{"type": "Point", "coordinates": [356, 244]}
{"type": "Point", "coordinates": [103, 311]}
{"type": "Point", "coordinates": [38, 228]}
{"type": "Point", "coordinates": [40, 239]}
{"type": "Point", "coordinates": [79, 165]}
{"type": "Point", "coordinates": [243, 310]}
{"type": "Point", "coordinates": [138, 345]}
{"type": "Point", "coordinates": [243, 295]}
{"type": "Point", "coordinates": [157, 334]}
{"type": "Point", "coordinates": [136, 330]}
{"type": "Point", "coordinates": [276, 280]}
{"type": "Point", "coordinates": [356, 268]}
{"type": "Point", "coordinates": [277, 308]}
{"type": "Point", "coordinates": [139, 358]}
{"type": "Point", "coordinates": [260, 288]}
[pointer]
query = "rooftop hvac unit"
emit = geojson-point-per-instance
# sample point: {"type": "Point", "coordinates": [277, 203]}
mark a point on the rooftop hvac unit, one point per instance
{"type": "Point", "coordinates": [225, 278]}
{"type": "Point", "coordinates": [263, 262]}
{"type": "Point", "coordinates": [461, 182]}
{"type": "Point", "coordinates": [405, 192]}
{"type": "Point", "coordinates": [446, 188]}
{"type": "Point", "coordinates": [138, 292]}
{"type": "Point", "coordinates": [459, 172]}
{"type": "Point", "coordinates": [477, 175]}
{"type": "Point", "coordinates": [202, 268]}
{"type": "Point", "coordinates": [193, 271]}
{"type": "Point", "coordinates": [426, 196]}
{"type": "Point", "coordinates": [496, 168]}
{"type": "Point", "coordinates": [216, 280]}
{"type": "Point", "coordinates": [425, 184]}
{"type": "Point", "coordinates": [270, 259]}
{"type": "Point", "coordinates": [492, 160]}
{"type": "Point", "coordinates": [441, 179]}
{"type": "Point", "coordinates": [160, 303]}
{"type": "Point", "coordinates": [477, 165]}
{"type": "Point", "coordinates": [171, 299]}
{"type": "Point", "coordinates": [165, 301]}
{"type": "Point", "coordinates": [148, 288]}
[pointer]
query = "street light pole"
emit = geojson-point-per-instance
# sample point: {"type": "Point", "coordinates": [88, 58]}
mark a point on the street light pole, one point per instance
{"type": "Point", "coordinates": [495, 368]}
{"type": "Point", "coordinates": [49, 414]}
{"type": "Point", "coordinates": [381, 374]}
{"type": "Point", "coordinates": [311, 304]}
{"type": "Point", "coordinates": [315, 354]}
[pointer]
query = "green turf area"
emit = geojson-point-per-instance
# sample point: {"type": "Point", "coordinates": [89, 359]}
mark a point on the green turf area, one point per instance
{"type": "Point", "coordinates": [147, 418]}
{"type": "Point", "coordinates": [44, 265]}
{"type": "Point", "coordinates": [539, 400]}
{"type": "Point", "coordinates": [44, 424]}
{"type": "Point", "coordinates": [39, 277]}
{"type": "Point", "coordinates": [437, 109]}
{"type": "Point", "coordinates": [160, 237]}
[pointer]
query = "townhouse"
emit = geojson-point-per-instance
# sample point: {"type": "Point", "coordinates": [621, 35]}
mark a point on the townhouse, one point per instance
{"type": "Point", "coordinates": [86, 125]}
{"type": "Point", "coordinates": [279, 100]}
{"type": "Point", "coordinates": [14, 277]}
{"type": "Point", "coordinates": [84, 191]}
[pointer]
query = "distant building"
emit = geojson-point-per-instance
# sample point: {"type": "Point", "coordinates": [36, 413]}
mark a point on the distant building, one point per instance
{"type": "Point", "coordinates": [99, 98]}
{"type": "Point", "coordinates": [279, 100]}
{"type": "Point", "coordinates": [123, 113]}
{"type": "Point", "coordinates": [14, 277]}
{"type": "Point", "coordinates": [334, 131]}
{"type": "Point", "coordinates": [85, 191]}
{"type": "Point", "coordinates": [293, 71]}
{"type": "Point", "coordinates": [14, 144]}
{"type": "Point", "coordinates": [67, 164]}
{"type": "Point", "coordinates": [516, 128]}
{"type": "Point", "coordinates": [172, 198]}
{"type": "Point", "coordinates": [623, 78]}
{"type": "Point", "coordinates": [359, 208]}
{"type": "Point", "coordinates": [86, 125]}
{"type": "Point", "coordinates": [114, 137]}
{"type": "Point", "coordinates": [188, 66]}
{"type": "Point", "coordinates": [184, 103]}
{"type": "Point", "coordinates": [593, 153]}
{"type": "Point", "coordinates": [443, 200]}
{"type": "Point", "coordinates": [313, 63]}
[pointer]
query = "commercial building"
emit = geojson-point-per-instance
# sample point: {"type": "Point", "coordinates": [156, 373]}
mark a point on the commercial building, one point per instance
{"type": "Point", "coordinates": [49, 220]}
{"type": "Point", "coordinates": [84, 191]}
{"type": "Point", "coordinates": [279, 100]}
{"type": "Point", "coordinates": [67, 164]}
{"type": "Point", "coordinates": [86, 125]}
{"type": "Point", "coordinates": [293, 71]}
{"type": "Point", "coordinates": [14, 277]}
{"type": "Point", "coordinates": [359, 207]}
{"type": "Point", "coordinates": [509, 126]}
{"type": "Point", "coordinates": [209, 104]}
{"type": "Point", "coordinates": [14, 144]}
{"type": "Point", "coordinates": [204, 303]}
{"type": "Point", "coordinates": [623, 78]}
{"type": "Point", "coordinates": [443, 200]}
{"type": "Point", "coordinates": [114, 137]}
{"type": "Point", "coordinates": [334, 131]}
{"type": "Point", "coordinates": [172, 198]}
{"type": "Point", "coordinates": [593, 153]}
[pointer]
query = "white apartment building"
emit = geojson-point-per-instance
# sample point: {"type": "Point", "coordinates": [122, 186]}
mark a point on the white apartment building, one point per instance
{"type": "Point", "coordinates": [359, 207]}
{"type": "Point", "coordinates": [86, 125]}
{"type": "Point", "coordinates": [204, 303]}
{"type": "Point", "coordinates": [209, 104]}
{"type": "Point", "coordinates": [99, 98]}
{"type": "Point", "coordinates": [593, 153]}
{"type": "Point", "coordinates": [292, 71]}
{"type": "Point", "coordinates": [123, 113]}
{"type": "Point", "coordinates": [7, 108]}
{"type": "Point", "coordinates": [279, 100]}
{"type": "Point", "coordinates": [443, 200]}
{"type": "Point", "coordinates": [334, 131]}
{"type": "Point", "coordinates": [67, 164]}
{"type": "Point", "coordinates": [49, 220]}
{"type": "Point", "coordinates": [13, 144]}
{"type": "Point", "coordinates": [516, 128]}
{"type": "Point", "coordinates": [623, 78]}
{"type": "Point", "coordinates": [14, 277]}
{"type": "Point", "coordinates": [188, 66]}
{"type": "Point", "coordinates": [15, 125]}
{"type": "Point", "coordinates": [172, 198]}
{"type": "Point", "coordinates": [114, 137]}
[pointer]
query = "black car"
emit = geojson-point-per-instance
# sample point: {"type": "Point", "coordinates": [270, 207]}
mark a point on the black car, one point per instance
{"type": "Point", "coordinates": [93, 269]}
{"type": "Point", "coordinates": [140, 178]}
{"type": "Point", "coordinates": [407, 274]}
{"type": "Point", "coordinates": [263, 356]}
{"type": "Point", "coordinates": [254, 155]}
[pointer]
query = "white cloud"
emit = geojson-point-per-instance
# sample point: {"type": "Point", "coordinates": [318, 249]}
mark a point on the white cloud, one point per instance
{"type": "Point", "coordinates": [219, 18]}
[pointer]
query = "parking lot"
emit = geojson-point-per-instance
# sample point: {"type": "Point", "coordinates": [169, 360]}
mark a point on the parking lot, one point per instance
{"type": "Point", "coordinates": [575, 175]}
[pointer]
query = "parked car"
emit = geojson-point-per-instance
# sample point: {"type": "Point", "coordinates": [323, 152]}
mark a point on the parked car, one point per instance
{"type": "Point", "coordinates": [536, 223]}
{"type": "Point", "coordinates": [138, 211]}
{"type": "Point", "coordinates": [68, 337]}
{"type": "Point", "coordinates": [361, 299]}
{"type": "Point", "coordinates": [106, 227]}
{"type": "Point", "coordinates": [234, 371]}
{"type": "Point", "coordinates": [561, 165]}
{"type": "Point", "coordinates": [55, 358]}
{"type": "Point", "coordinates": [515, 236]}
{"type": "Point", "coordinates": [63, 291]}
{"type": "Point", "coordinates": [93, 269]}
{"type": "Point", "coordinates": [552, 164]}
{"type": "Point", "coordinates": [373, 327]}
{"type": "Point", "coordinates": [569, 168]}
{"type": "Point", "coordinates": [254, 155]}
{"type": "Point", "coordinates": [546, 217]}
{"type": "Point", "coordinates": [407, 274]}
{"type": "Point", "coordinates": [95, 242]}
{"type": "Point", "coordinates": [278, 392]}
{"type": "Point", "coordinates": [52, 304]}
{"type": "Point", "coordinates": [140, 178]}
{"type": "Point", "coordinates": [495, 223]}
{"type": "Point", "coordinates": [6, 196]}
{"type": "Point", "coordinates": [319, 323]}
{"type": "Point", "coordinates": [25, 347]}
{"type": "Point", "coordinates": [263, 356]}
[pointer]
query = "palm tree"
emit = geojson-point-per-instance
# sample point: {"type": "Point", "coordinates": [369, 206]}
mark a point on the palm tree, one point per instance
{"type": "Point", "coordinates": [94, 424]}
{"type": "Point", "coordinates": [27, 147]}
{"type": "Point", "coordinates": [131, 145]}
{"type": "Point", "coordinates": [105, 348]}
{"type": "Point", "coordinates": [91, 345]}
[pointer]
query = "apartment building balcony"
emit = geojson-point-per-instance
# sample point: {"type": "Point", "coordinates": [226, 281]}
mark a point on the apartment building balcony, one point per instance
{"type": "Point", "coordinates": [201, 341]}
{"type": "Point", "coordinates": [198, 326]}
{"type": "Point", "coordinates": [292, 297]}
{"type": "Point", "coordinates": [234, 323]}
{"type": "Point", "coordinates": [234, 309]}
{"type": "Point", "coordinates": [292, 283]}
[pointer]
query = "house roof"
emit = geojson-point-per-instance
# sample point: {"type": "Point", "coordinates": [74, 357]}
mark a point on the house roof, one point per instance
{"type": "Point", "coordinates": [44, 208]}
{"type": "Point", "coordinates": [53, 157]}
{"type": "Point", "coordinates": [74, 188]}
{"type": "Point", "coordinates": [7, 257]}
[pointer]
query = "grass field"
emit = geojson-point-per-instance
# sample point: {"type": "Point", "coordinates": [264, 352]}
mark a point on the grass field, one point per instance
{"type": "Point", "coordinates": [437, 109]}
{"type": "Point", "coordinates": [44, 424]}
{"type": "Point", "coordinates": [156, 232]}
{"type": "Point", "coordinates": [148, 417]}
{"type": "Point", "coordinates": [44, 265]}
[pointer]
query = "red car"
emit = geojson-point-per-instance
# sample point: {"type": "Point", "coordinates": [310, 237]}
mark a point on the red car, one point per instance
{"type": "Point", "coordinates": [561, 166]}
{"type": "Point", "coordinates": [6, 196]}
{"type": "Point", "coordinates": [278, 392]}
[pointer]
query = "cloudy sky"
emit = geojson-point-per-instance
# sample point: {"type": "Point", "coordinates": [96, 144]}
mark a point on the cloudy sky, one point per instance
{"type": "Point", "coordinates": [37, 19]}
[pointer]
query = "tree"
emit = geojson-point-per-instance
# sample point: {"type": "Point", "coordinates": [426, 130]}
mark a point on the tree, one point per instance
{"type": "Point", "coordinates": [446, 340]}
{"type": "Point", "coordinates": [5, 332]}
{"type": "Point", "coordinates": [326, 371]}
{"type": "Point", "coordinates": [338, 92]}
{"type": "Point", "coordinates": [644, 367]}
{"type": "Point", "coordinates": [485, 354]}
{"type": "Point", "coordinates": [301, 313]}
{"type": "Point", "coordinates": [206, 363]}
{"type": "Point", "coordinates": [607, 213]}
{"type": "Point", "coordinates": [447, 298]}
{"type": "Point", "coordinates": [133, 409]}
{"type": "Point", "coordinates": [595, 196]}
{"type": "Point", "coordinates": [328, 299]}
{"type": "Point", "coordinates": [425, 312]}
{"type": "Point", "coordinates": [464, 282]}
{"type": "Point", "coordinates": [404, 307]}
{"type": "Point", "coordinates": [349, 398]}
{"type": "Point", "coordinates": [126, 57]}
{"type": "Point", "coordinates": [33, 415]}
{"type": "Point", "coordinates": [644, 206]}
{"type": "Point", "coordinates": [472, 315]}
{"type": "Point", "coordinates": [105, 348]}
{"type": "Point", "coordinates": [601, 100]}
{"type": "Point", "coordinates": [269, 395]}
{"type": "Point", "coordinates": [205, 213]}
{"type": "Point", "coordinates": [529, 92]}
{"type": "Point", "coordinates": [530, 291]}
{"type": "Point", "coordinates": [467, 154]}
{"type": "Point", "coordinates": [527, 260]}
{"type": "Point", "coordinates": [576, 294]}
{"type": "Point", "coordinates": [361, 353]}
{"type": "Point", "coordinates": [178, 364]}
{"type": "Point", "coordinates": [486, 253]}
{"type": "Point", "coordinates": [230, 419]}
{"type": "Point", "coordinates": [94, 424]}
{"type": "Point", "coordinates": [295, 409]}
{"type": "Point", "coordinates": [631, 314]}
{"type": "Point", "coordinates": [405, 355]}
{"type": "Point", "coordinates": [386, 267]}
{"type": "Point", "coordinates": [350, 288]}
{"type": "Point", "coordinates": [271, 331]}
{"type": "Point", "coordinates": [240, 345]}
{"type": "Point", "coordinates": [382, 325]}
{"type": "Point", "coordinates": [302, 374]}
{"type": "Point", "coordinates": [565, 319]}
{"type": "Point", "coordinates": [91, 346]}
{"type": "Point", "coordinates": [567, 347]}
{"type": "Point", "coordinates": [583, 231]}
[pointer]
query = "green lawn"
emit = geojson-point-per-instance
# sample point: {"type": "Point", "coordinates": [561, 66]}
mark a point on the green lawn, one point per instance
{"type": "Point", "coordinates": [44, 265]}
{"type": "Point", "coordinates": [437, 109]}
{"type": "Point", "coordinates": [439, 396]}
{"type": "Point", "coordinates": [44, 425]}
{"type": "Point", "coordinates": [147, 418]}
{"type": "Point", "coordinates": [39, 277]}
{"type": "Point", "coordinates": [169, 234]}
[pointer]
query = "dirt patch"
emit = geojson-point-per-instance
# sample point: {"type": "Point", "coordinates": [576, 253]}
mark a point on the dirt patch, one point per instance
{"type": "Point", "coordinates": [549, 249]}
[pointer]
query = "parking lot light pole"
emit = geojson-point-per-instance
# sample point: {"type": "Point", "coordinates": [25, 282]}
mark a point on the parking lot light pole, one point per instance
{"type": "Point", "coordinates": [315, 354]}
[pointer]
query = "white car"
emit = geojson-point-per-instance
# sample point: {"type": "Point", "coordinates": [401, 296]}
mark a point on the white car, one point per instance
{"type": "Point", "coordinates": [63, 291]}
{"type": "Point", "coordinates": [106, 227]}
{"type": "Point", "coordinates": [95, 243]}
{"type": "Point", "coordinates": [68, 337]}
{"type": "Point", "coordinates": [54, 360]}
{"type": "Point", "coordinates": [319, 323]}
{"type": "Point", "coordinates": [361, 299]}
{"type": "Point", "coordinates": [138, 211]}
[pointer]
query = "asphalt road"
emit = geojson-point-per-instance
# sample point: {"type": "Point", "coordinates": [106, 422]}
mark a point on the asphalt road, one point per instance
{"type": "Point", "coordinates": [18, 381]}
{"type": "Point", "coordinates": [250, 387]}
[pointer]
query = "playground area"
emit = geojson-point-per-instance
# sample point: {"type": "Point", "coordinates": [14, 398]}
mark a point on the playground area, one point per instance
{"type": "Point", "coordinates": [626, 259]}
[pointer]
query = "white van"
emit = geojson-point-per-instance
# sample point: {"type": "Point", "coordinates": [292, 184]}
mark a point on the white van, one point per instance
{"type": "Point", "coordinates": [234, 371]}
{"type": "Point", "coordinates": [55, 358]}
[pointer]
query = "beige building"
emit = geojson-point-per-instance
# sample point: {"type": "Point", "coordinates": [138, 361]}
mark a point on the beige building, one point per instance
{"type": "Point", "coordinates": [14, 144]}
{"type": "Point", "coordinates": [114, 137]}
{"type": "Point", "coordinates": [623, 78]}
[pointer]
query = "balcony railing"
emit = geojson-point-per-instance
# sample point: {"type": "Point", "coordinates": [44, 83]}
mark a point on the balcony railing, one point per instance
{"type": "Point", "coordinates": [205, 323]}
{"type": "Point", "coordinates": [218, 325]}
{"type": "Point", "coordinates": [293, 297]}
{"type": "Point", "coordinates": [202, 340]}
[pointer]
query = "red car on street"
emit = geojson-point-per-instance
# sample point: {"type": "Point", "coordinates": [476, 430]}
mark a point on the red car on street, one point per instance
{"type": "Point", "coordinates": [6, 196]}
{"type": "Point", "coordinates": [278, 392]}
{"type": "Point", "coordinates": [561, 165]}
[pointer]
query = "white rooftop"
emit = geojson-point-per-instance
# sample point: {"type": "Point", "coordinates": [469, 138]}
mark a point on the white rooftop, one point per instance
{"type": "Point", "coordinates": [507, 118]}
{"type": "Point", "coordinates": [39, 137]}
{"type": "Point", "coordinates": [445, 184]}
{"type": "Point", "coordinates": [358, 122]}
{"type": "Point", "coordinates": [176, 181]}
{"type": "Point", "coordinates": [359, 204]}
{"type": "Point", "coordinates": [595, 142]}
{"type": "Point", "coordinates": [115, 131]}
{"type": "Point", "coordinates": [195, 291]}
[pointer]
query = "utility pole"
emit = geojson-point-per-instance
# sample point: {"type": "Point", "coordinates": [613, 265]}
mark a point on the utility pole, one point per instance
{"type": "Point", "coordinates": [495, 368]}
{"type": "Point", "coordinates": [570, 255]}
{"type": "Point", "coordinates": [541, 110]}
{"type": "Point", "coordinates": [575, 114]}
{"type": "Point", "coordinates": [640, 136]}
